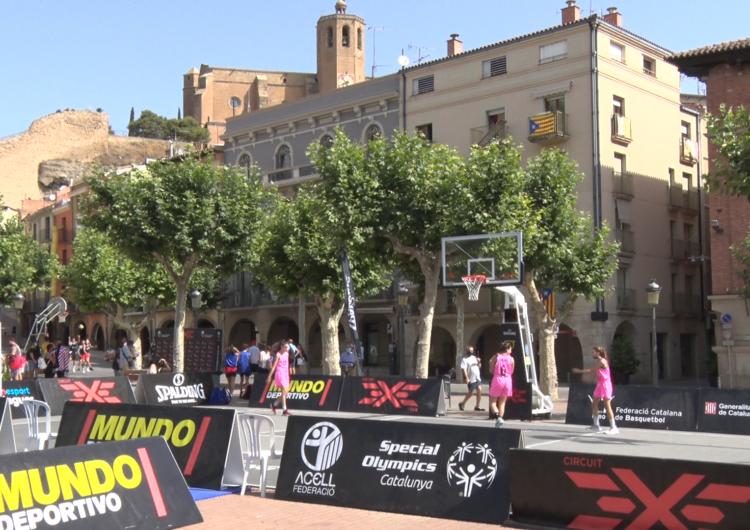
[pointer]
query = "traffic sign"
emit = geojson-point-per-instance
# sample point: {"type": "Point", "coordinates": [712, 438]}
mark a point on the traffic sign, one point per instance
{"type": "Point", "coordinates": [726, 318]}
{"type": "Point", "coordinates": [727, 343]}
{"type": "Point", "coordinates": [727, 334]}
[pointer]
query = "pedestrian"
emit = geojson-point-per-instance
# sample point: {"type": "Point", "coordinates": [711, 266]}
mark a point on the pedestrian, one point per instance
{"type": "Point", "coordinates": [280, 371]}
{"type": "Point", "coordinates": [292, 356]}
{"type": "Point", "coordinates": [264, 364]}
{"type": "Point", "coordinates": [62, 359]}
{"type": "Point", "coordinates": [75, 355]}
{"type": "Point", "coordinates": [86, 355]}
{"type": "Point", "coordinates": [50, 362]}
{"type": "Point", "coordinates": [301, 361]}
{"type": "Point", "coordinates": [472, 374]}
{"type": "Point", "coordinates": [123, 356]}
{"type": "Point", "coordinates": [603, 390]}
{"type": "Point", "coordinates": [111, 355]}
{"type": "Point", "coordinates": [254, 356]}
{"type": "Point", "coordinates": [231, 359]}
{"type": "Point", "coordinates": [501, 387]}
{"type": "Point", "coordinates": [134, 354]}
{"type": "Point", "coordinates": [347, 360]}
{"type": "Point", "coordinates": [32, 360]}
{"type": "Point", "coordinates": [16, 361]}
{"type": "Point", "coordinates": [158, 365]}
{"type": "Point", "coordinates": [243, 367]}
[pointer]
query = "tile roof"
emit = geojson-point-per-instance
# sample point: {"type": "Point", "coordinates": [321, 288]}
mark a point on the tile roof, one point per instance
{"type": "Point", "coordinates": [735, 45]}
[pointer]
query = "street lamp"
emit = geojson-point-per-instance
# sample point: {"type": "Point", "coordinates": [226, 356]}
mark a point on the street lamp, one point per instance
{"type": "Point", "coordinates": [653, 289]}
{"type": "Point", "coordinates": [403, 301]}
{"type": "Point", "coordinates": [195, 301]}
{"type": "Point", "coordinates": [18, 301]}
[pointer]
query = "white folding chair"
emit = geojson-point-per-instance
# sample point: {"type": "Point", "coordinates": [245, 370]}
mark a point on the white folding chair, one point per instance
{"type": "Point", "coordinates": [31, 408]}
{"type": "Point", "coordinates": [250, 429]}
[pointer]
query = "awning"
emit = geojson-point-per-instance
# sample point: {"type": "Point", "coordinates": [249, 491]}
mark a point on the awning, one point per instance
{"type": "Point", "coordinates": [549, 90]}
{"type": "Point", "coordinates": [624, 211]}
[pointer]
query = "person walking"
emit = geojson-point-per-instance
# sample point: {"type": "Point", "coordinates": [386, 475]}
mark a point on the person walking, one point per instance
{"type": "Point", "coordinates": [471, 366]}
{"type": "Point", "coordinates": [243, 367]}
{"type": "Point", "coordinates": [231, 359]}
{"type": "Point", "coordinates": [254, 356]}
{"type": "Point", "coordinates": [300, 361]}
{"type": "Point", "coordinates": [603, 390]}
{"type": "Point", "coordinates": [347, 361]}
{"type": "Point", "coordinates": [50, 359]}
{"type": "Point", "coordinates": [75, 355]}
{"type": "Point", "coordinates": [16, 361]}
{"type": "Point", "coordinates": [62, 359]}
{"type": "Point", "coordinates": [501, 387]}
{"type": "Point", "coordinates": [86, 355]}
{"type": "Point", "coordinates": [280, 373]}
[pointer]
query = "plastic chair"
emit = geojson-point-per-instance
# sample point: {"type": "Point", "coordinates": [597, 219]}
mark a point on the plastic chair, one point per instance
{"type": "Point", "coordinates": [250, 429]}
{"type": "Point", "coordinates": [31, 408]}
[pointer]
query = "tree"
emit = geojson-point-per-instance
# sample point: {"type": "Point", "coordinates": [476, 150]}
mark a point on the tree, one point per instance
{"type": "Point", "coordinates": [132, 115]}
{"type": "Point", "coordinates": [411, 193]}
{"type": "Point", "coordinates": [151, 125]}
{"type": "Point", "coordinates": [179, 113]}
{"type": "Point", "coordinates": [730, 133]}
{"type": "Point", "coordinates": [186, 215]}
{"type": "Point", "coordinates": [24, 264]}
{"type": "Point", "coordinates": [148, 125]}
{"type": "Point", "coordinates": [563, 251]}
{"type": "Point", "coordinates": [299, 258]}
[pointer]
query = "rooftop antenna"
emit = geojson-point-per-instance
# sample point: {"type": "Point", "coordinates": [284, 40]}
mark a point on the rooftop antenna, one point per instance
{"type": "Point", "coordinates": [374, 30]}
{"type": "Point", "coordinates": [420, 49]}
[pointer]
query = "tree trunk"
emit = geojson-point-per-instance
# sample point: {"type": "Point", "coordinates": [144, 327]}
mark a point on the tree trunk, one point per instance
{"type": "Point", "coordinates": [426, 314]}
{"type": "Point", "coordinates": [330, 316]}
{"type": "Point", "coordinates": [547, 327]}
{"type": "Point", "coordinates": [178, 360]}
{"type": "Point", "coordinates": [133, 329]}
{"type": "Point", "coordinates": [301, 325]}
{"type": "Point", "coordinates": [460, 343]}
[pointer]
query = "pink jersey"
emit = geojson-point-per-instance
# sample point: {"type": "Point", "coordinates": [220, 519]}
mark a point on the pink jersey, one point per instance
{"type": "Point", "coordinates": [502, 382]}
{"type": "Point", "coordinates": [281, 375]}
{"type": "Point", "coordinates": [603, 383]}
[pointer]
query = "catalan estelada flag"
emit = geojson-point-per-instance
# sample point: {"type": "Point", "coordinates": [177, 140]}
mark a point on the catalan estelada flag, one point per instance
{"type": "Point", "coordinates": [548, 297]}
{"type": "Point", "coordinates": [542, 124]}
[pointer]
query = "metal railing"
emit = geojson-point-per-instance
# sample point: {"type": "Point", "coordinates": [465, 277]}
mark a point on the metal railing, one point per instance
{"type": "Point", "coordinates": [627, 241]}
{"type": "Point", "coordinates": [626, 299]}
{"type": "Point", "coordinates": [282, 175]}
{"type": "Point", "coordinates": [683, 250]}
{"type": "Point", "coordinates": [45, 235]}
{"type": "Point", "coordinates": [482, 136]}
{"type": "Point", "coordinates": [63, 235]}
{"type": "Point", "coordinates": [551, 126]}
{"type": "Point", "coordinates": [686, 304]}
{"type": "Point", "coordinates": [622, 184]}
{"type": "Point", "coordinates": [622, 128]}
{"type": "Point", "coordinates": [684, 200]}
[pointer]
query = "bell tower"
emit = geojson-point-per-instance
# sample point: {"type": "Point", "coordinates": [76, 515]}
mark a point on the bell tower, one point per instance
{"type": "Point", "coordinates": [341, 49]}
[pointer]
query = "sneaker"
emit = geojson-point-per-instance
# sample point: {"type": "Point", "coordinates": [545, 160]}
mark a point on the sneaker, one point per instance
{"type": "Point", "coordinates": [287, 413]}
{"type": "Point", "coordinates": [499, 422]}
{"type": "Point", "coordinates": [460, 406]}
{"type": "Point", "coordinates": [614, 430]}
{"type": "Point", "coordinates": [273, 407]}
{"type": "Point", "coordinates": [594, 428]}
{"type": "Point", "coordinates": [479, 409]}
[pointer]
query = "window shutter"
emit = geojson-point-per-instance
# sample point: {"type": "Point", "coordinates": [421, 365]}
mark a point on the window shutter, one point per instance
{"type": "Point", "coordinates": [414, 87]}
{"type": "Point", "coordinates": [495, 67]}
{"type": "Point", "coordinates": [425, 84]}
{"type": "Point", "coordinates": [550, 52]}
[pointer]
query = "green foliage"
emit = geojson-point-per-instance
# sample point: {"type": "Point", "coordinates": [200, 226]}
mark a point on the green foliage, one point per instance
{"type": "Point", "coordinates": [24, 264]}
{"type": "Point", "coordinates": [624, 359]}
{"type": "Point", "coordinates": [151, 125]}
{"type": "Point", "coordinates": [730, 133]}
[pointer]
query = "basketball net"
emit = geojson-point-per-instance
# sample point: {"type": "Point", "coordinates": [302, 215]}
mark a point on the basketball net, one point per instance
{"type": "Point", "coordinates": [474, 284]}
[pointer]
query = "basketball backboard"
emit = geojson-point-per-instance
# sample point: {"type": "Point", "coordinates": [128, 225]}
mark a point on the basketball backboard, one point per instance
{"type": "Point", "coordinates": [499, 257]}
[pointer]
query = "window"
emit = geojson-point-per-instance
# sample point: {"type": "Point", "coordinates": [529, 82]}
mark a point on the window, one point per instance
{"type": "Point", "coordinates": [329, 38]}
{"type": "Point", "coordinates": [326, 140]}
{"type": "Point", "coordinates": [373, 132]}
{"type": "Point", "coordinates": [555, 104]}
{"type": "Point", "coordinates": [245, 162]}
{"type": "Point", "coordinates": [426, 131]}
{"type": "Point", "coordinates": [617, 52]}
{"type": "Point", "coordinates": [620, 166]}
{"type": "Point", "coordinates": [64, 257]}
{"type": "Point", "coordinates": [649, 66]}
{"type": "Point", "coordinates": [553, 52]}
{"type": "Point", "coordinates": [345, 36]}
{"type": "Point", "coordinates": [688, 179]}
{"type": "Point", "coordinates": [283, 157]}
{"type": "Point", "coordinates": [671, 177]}
{"type": "Point", "coordinates": [618, 106]}
{"type": "Point", "coordinates": [359, 38]}
{"type": "Point", "coordinates": [687, 231]}
{"type": "Point", "coordinates": [34, 228]}
{"type": "Point", "coordinates": [235, 102]}
{"type": "Point", "coordinates": [495, 116]}
{"type": "Point", "coordinates": [685, 126]}
{"type": "Point", "coordinates": [423, 85]}
{"type": "Point", "coordinates": [494, 67]}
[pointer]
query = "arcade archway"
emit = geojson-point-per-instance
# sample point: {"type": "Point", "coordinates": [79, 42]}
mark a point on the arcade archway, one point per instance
{"type": "Point", "coordinates": [283, 328]}
{"type": "Point", "coordinates": [568, 354]}
{"type": "Point", "coordinates": [442, 351]}
{"type": "Point", "coordinates": [97, 338]}
{"type": "Point", "coordinates": [243, 332]}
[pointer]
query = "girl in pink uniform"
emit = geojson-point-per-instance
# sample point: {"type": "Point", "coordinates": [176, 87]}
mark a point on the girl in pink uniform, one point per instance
{"type": "Point", "coordinates": [501, 387]}
{"type": "Point", "coordinates": [280, 373]}
{"type": "Point", "coordinates": [603, 390]}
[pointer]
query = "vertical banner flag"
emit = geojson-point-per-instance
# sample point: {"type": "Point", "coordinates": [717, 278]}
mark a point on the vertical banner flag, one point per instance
{"type": "Point", "coordinates": [548, 296]}
{"type": "Point", "coordinates": [350, 308]}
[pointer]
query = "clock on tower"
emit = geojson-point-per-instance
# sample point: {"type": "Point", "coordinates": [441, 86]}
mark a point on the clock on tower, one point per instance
{"type": "Point", "coordinates": [345, 80]}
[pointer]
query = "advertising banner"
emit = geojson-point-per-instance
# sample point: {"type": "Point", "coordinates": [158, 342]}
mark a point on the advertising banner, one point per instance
{"type": "Point", "coordinates": [19, 391]}
{"type": "Point", "coordinates": [642, 407]}
{"type": "Point", "coordinates": [306, 392]}
{"type": "Point", "coordinates": [7, 436]}
{"type": "Point", "coordinates": [581, 490]}
{"type": "Point", "coordinates": [425, 469]}
{"type": "Point", "coordinates": [130, 484]}
{"type": "Point", "coordinates": [518, 406]}
{"type": "Point", "coordinates": [724, 411]}
{"type": "Point", "coordinates": [393, 395]}
{"type": "Point", "coordinates": [198, 437]}
{"type": "Point", "coordinates": [202, 348]}
{"type": "Point", "coordinates": [174, 389]}
{"type": "Point", "coordinates": [87, 390]}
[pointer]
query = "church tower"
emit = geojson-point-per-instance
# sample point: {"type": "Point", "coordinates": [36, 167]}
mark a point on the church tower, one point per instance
{"type": "Point", "coordinates": [341, 49]}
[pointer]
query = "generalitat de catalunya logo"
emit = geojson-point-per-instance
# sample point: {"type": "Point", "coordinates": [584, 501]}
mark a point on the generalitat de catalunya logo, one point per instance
{"type": "Point", "coordinates": [471, 467]}
{"type": "Point", "coordinates": [322, 446]}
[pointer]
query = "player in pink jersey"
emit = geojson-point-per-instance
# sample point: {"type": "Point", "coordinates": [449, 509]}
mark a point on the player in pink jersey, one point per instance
{"type": "Point", "coordinates": [501, 387]}
{"type": "Point", "coordinates": [603, 390]}
{"type": "Point", "coordinates": [280, 373]}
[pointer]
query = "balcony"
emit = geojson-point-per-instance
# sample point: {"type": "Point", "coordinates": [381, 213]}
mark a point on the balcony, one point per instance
{"type": "Point", "coordinates": [622, 130]}
{"type": "Point", "coordinates": [686, 304]}
{"type": "Point", "coordinates": [688, 151]}
{"type": "Point", "coordinates": [45, 235]}
{"type": "Point", "coordinates": [63, 235]}
{"type": "Point", "coordinates": [548, 128]}
{"type": "Point", "coordinates": [686, 201]}
{"type": "Point", "coordinates": [626, 238]}
{"type": "Point", "coordinates": [482, 136]}
{"type": "Point", "coordinates": [625, 299]}
{"type": "Point", "coordinates": [684, 250]}
{"type": "Point", "coordinates": [622, 185]}
{"type": "Point", "coordinates": [295, 175]}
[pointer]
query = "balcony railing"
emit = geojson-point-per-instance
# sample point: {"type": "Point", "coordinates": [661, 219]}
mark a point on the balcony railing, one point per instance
{"type": "Point", "coordinates": [63, 235]}
{"type": "Point", "coordinates": [684, 250]}
{"type": "Point", "coordinates": [45, 235]}
{"type": "Point", "coordinates": [686, 304]}
{"type": "Point", "coordinates": [274, 177]}
{"type": "Point", "coordinates": [549, 127]}
{"type": "Point", "coordinates": [683, 200]}
{"type": "Point", "coordinates": [482, 136]}
{"type": "Point", "coordinates": [626, 299]}
{"type": "Point", "coordinates": [622, 185]}
{"type": "Point", "coordinates": [688, 151]}
{"type": "Point", "coordinates": [626, 239]}
{"type": "Point", "coordinates": [622, 129]}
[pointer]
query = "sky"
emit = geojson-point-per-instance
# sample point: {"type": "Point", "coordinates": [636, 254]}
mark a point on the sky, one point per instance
{"type": "Point", "coordinates": [118, 54]}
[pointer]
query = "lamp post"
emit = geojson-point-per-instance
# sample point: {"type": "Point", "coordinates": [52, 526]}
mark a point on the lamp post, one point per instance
{"type": "Point", "coordinates": [403, 300]}
{"type": "Point", "coordinates": [18, 301]}
{"type": "Point", "coordinates": [195, 301]}
{"type": "Point", "coordinates": [653, 289]}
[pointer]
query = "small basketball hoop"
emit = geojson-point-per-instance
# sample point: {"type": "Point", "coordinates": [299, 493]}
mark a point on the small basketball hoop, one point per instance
{"type": "Point", "coordinates": [474, 284]}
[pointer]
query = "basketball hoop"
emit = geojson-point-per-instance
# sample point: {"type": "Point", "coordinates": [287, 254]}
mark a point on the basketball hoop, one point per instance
{"type": "Point", "coordinates": [474, 284]}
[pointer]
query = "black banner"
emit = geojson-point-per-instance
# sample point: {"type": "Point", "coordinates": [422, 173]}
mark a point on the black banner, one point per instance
{"type": "Point", "coordinates": [131, 484]}
{"type": "Point", "coordinates": [425, 469]}
{"type": "Point", "coordinates": [393, 395]}
{"type": "Point", "coordinates": [351, 309]}
{"type": "Point", "coordinates": [19, 391]}
{"type": "Point", "coordinates": [202, 348]}
{"type": "Point", "coordinates": [198, 437]}
{"type": "Point", "coordinates": [724, 411]}
{"type": "Point", "coordinates": [307, 392]}
{"type": "Point", "coordinates": [88, 390]}
{"type": "Point", "coordinates": [511, 333]}
{"type": "Point", "coordinates": [578, 490]}
{"type": "Point", "coordinates": [642, 407]}
{"type": "Point", "coordinates": [519, 406]}
{"type": "Point", "coordinates": [174, 389]}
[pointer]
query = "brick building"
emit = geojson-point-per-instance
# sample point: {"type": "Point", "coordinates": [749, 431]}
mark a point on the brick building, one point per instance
{"type": "Point", "coordinates": [722, 68]}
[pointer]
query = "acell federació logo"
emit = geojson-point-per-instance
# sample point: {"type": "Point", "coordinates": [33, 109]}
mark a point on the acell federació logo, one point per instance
{"type": "Point", "coordinates": [381, 393]}
{"type": "Point", "coordinates": [651, 507]}
{"type": "Point", "coordinates": [98, 392]}
{"type": "Point", "coordinates": [321, 448]}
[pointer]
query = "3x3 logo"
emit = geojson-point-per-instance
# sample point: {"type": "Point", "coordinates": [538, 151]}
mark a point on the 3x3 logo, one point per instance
{"type": "Point", "coordinates": [397, 395]}
{"type": "Point", "coordinates": [98, 392]}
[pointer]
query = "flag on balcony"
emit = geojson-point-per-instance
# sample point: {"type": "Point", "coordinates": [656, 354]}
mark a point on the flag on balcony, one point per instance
{"type": "Point", "coordinates": [542, 125]}
{"type": "Point", "coordinates": [548, 298]}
